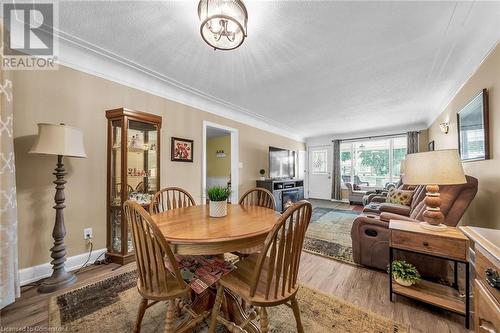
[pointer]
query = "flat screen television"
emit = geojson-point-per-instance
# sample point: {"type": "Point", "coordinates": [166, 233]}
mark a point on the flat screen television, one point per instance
{"type": "Point", "coordinates": [281, 163]}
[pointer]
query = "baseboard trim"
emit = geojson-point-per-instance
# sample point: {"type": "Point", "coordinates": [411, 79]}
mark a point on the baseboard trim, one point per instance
{"type": "Point", "coordinates": [35, 273]}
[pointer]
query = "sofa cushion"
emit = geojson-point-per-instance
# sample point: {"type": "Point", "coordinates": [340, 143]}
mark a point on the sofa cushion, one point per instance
{"type": "Point", "coordinates": [401, 197]}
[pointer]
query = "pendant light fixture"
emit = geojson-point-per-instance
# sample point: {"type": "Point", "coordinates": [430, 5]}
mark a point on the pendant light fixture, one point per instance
{"type": "Point", "coordinates": [223, 23]}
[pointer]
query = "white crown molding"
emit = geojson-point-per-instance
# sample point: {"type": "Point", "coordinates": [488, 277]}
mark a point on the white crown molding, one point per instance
{"type": "Point", "coordinates": [88, 58]}
{"type": "Point", "coordinates": [35, 273]}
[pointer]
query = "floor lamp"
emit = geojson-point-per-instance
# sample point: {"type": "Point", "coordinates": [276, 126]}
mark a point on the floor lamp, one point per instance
{"type": "Point", "coordinates": [434, 168]}
{"type": "Point", "coordinates": [60, 140]}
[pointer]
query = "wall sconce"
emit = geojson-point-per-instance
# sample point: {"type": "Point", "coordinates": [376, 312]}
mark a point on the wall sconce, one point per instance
{"type": "Point", "coordinates": [445, 127]}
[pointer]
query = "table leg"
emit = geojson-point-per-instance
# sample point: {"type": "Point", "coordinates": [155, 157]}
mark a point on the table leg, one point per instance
{"type": "Point", "coordinates": [390, 273]}
{"type": "Point", "coordinates": [455, 275]}
{"type": "Point", "coordinates": [467, 296]}
{"type": "Point", "coordinates": [233, 309]}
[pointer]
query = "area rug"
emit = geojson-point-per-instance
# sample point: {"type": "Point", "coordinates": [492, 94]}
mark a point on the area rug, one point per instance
{"type": "Point", "coordinates": [111, 306]}
{"type": "Point", "coordinates": [329, 233]}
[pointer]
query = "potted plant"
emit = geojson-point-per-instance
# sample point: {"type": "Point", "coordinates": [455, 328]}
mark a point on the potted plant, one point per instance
{"type": "Point", "coordinates": [262, 173]}
{"type": "Point", "coordinates": [218, 201]}
{"type": "Point", "coordinates": [404, 273]}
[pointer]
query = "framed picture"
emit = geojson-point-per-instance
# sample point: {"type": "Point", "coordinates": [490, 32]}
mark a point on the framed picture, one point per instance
{"type": "Point", "coordinates": [181, 150]}
{"type": "Point", "coordinates": [473, 129]}
{"type": "Point", "coordinates": [430, 146]}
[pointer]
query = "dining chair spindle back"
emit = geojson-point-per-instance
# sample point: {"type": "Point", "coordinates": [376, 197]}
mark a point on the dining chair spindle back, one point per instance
{"type": "Point", "coordinates": [270, 277]}
{"type": "Point", "coordinates": [155, 282]}
{"type": "Point", "coordinates": [170, 198]}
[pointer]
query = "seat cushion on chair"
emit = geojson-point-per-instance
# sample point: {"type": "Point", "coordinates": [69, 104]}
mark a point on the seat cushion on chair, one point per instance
{"type": "Point", "coordinates": [239, 281]}
{"type": "Point", "coordinates": [200, 272]}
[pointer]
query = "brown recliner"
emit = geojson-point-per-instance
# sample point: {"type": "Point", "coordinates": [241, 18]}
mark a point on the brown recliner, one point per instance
{"type": "Point", "coordinates": [370, 235]}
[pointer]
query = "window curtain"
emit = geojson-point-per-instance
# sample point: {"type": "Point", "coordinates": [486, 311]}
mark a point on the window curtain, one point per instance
{"type": "Point", "coordinates": [412, 144]}
{"type": "Point", "coordinates": [9, 274]}
{"type": "Point", "coordinates": [336, 191]}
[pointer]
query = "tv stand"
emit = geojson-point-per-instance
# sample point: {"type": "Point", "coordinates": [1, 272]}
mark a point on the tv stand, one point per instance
{"type": "Point", "coordinates": [285, 191]}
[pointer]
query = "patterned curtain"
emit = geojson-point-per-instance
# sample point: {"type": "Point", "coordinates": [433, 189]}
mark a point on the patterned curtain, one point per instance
{"type": "Point", "coordinates": [9, 274]}
{"type": "Point", "coordinates": [412, 142]}
{"type": "Point", "coordinates": [336, 191]}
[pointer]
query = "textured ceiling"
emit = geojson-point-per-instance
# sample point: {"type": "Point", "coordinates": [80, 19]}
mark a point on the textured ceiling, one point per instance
{"type": "Point", "coordinates": [317, 67]}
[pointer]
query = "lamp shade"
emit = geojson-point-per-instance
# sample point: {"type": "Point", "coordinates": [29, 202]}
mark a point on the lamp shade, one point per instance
{"type": "Point", "coordinates": [439, 167]}
{"type": "Point", "coordinates": [59, 140]}
{"type": "Point", "coordinates": [402, 167]}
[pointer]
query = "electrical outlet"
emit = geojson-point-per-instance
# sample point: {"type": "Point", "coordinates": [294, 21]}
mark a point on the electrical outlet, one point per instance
{"type": "Point", "coordinates": [87, 233]}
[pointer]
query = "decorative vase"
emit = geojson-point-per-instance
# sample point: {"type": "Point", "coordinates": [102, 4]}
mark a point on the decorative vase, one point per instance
{"type": "Point", "coordinates": [402, 282]}
{"type": "Point", "coordinates": [218, 208]}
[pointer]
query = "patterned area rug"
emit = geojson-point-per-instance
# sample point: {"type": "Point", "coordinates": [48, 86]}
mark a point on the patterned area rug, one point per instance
{"type": "Point", "coordinates": [329, 233]}
{"type": "Point", "coordinates": [111, 306]}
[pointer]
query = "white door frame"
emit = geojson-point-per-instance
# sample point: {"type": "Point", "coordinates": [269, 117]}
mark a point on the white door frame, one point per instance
{"type": "Point", "coordinates": [235, 180]}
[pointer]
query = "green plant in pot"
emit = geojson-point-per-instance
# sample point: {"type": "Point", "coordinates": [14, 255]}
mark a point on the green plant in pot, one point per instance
{"type": "Point", "coordinates": [404, 273]}
{"type": "Point", "coordinates": [218, 200]}
{"type": "Point", "coordinates": [262, 174]}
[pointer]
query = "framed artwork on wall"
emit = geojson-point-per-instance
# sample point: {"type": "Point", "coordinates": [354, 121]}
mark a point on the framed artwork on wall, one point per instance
{"type": "Point", "coordinates": [181, 150]}
{"type": "Point", "coordinates": [430, 146]}
{"type": "Point", "coordinates": [473, 129]}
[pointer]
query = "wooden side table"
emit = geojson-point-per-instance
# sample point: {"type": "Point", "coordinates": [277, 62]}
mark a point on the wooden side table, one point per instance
{"type": "Point", "coordinates": [450, 244]}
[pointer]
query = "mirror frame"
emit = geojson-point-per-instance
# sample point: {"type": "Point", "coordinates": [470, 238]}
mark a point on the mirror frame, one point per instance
{"type": "Point", "coordinates": [486, 130]}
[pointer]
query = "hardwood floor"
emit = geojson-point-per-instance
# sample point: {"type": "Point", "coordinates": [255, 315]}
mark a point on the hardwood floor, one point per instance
{"type": "Point", "coordinates": [361, 286]}
{"type": "Point", "coordinates": [369, 289]}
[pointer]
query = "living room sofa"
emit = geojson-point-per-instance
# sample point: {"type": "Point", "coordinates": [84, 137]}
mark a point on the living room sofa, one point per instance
{"type": "Point", "coordinates": [370, 233]}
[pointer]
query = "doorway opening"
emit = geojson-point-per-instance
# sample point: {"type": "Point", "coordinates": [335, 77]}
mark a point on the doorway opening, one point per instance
{"type": "Point", "coordinates": [220, 159]}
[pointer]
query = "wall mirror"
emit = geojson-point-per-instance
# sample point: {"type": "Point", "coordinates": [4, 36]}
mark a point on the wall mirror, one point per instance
{"type": "Point", "coordinates": [472, 123]}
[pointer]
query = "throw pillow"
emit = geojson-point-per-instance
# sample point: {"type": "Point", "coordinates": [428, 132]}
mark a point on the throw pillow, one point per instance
{"type": "Point", "coordinates": [401, 197]}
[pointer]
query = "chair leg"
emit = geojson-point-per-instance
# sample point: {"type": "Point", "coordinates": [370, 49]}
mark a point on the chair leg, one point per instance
{"type": "Point", "coordinates": [296, 314]}
{"type": "Point", "coordinates": [216, 309]}
{"type": "Point", "coordinates": [140, 314]}
{"type": "Point", "coordinates": [169, 319]}
{"type": "Point", "coordinates": [264, 321]}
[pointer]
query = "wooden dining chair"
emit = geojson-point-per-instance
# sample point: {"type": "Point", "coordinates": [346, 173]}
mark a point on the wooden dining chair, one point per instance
{"type": "Point", "coordinates": [256, 196]}
{"type": "Point", "coordinates": [270, 277]}
{"type": "Point", "coordinates": [170, 198]}
{"type": "Point", "coordinates": [155, 282]}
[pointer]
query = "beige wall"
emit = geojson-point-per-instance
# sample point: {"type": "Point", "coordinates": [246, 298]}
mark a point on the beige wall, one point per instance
{"type": "Point", "coordinates": [75, 98]}
{"type": "Point", "coordinates": [219, 166]}
{"type": "Point", "coordinates": [485, 209]}
{"type": "Point", "coordinates": [423, 140]}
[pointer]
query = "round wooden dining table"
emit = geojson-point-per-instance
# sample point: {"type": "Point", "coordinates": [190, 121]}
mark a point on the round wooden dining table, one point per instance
{"type": "Point", "coordinates": [191, 231]}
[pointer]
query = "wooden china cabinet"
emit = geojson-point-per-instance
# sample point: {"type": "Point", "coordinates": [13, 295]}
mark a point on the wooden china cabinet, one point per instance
{"type": "Point", "coordinates": [133, 173]}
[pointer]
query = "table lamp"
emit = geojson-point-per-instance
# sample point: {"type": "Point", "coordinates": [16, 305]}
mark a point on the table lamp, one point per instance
{"type": "Point", "coordinates": [434, 168]}
{"type": "Point", "coordinates": [60, 140]}
{"type": "Point", "coordinates": [402, 171]}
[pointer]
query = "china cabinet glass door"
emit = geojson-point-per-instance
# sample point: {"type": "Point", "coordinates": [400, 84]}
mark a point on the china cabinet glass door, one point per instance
{"type": "Point", "coordinates": [141, 164]}
{"type": "Point", "coordinates": [116, 186]}
{"type": "Point", "coordinates": [133, 173]}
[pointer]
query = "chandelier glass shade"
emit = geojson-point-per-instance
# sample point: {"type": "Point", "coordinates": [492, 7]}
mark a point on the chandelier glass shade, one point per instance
{"type": "Point", "coordinates": [223, 23]}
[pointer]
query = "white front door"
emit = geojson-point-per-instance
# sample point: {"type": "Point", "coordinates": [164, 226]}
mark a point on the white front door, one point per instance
{"type": "Point", "coordinates": [320, 172]}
